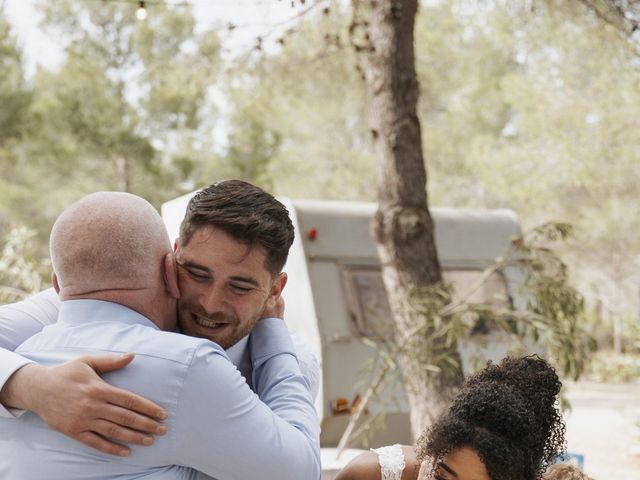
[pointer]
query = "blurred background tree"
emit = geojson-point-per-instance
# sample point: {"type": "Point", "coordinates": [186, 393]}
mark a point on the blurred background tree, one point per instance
{"type": "Point", "coordinates": [525, 104]}
{"type": "Point", "coordinates": [127, 109]}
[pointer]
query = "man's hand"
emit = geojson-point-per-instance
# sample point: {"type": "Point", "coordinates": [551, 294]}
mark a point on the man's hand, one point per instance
{"type": "Point", "coordinates": [274, 308]}
{"type": "Point", "coordinates": [73, 399]}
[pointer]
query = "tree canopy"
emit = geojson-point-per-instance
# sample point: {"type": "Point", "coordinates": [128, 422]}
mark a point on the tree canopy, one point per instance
{"type": "Point", "coordinates": [529, 105]}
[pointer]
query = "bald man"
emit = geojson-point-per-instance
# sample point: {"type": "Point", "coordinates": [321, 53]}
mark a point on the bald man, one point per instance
{"type": "Point", "coordinates": [116, 277]}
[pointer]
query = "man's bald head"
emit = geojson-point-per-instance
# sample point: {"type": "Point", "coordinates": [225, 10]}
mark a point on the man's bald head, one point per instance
{"type": "Point", "coordinates": [108, 241]}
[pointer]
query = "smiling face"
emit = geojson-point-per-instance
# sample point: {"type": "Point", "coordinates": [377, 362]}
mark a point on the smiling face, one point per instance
{"type": "Point", "coordinates": [224, 286]}
{"type": "Point", "coordinates": [461, 464]}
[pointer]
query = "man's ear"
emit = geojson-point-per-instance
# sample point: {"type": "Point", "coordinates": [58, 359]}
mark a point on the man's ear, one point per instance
{"type": "Point", "coordinates": [175, 246]}
{"type": "Point", "coordinates": [278, 285]}
{"type": "Point", "coordinates": [274, 304]}
{"type": "Point", "coordinates": [54, 280]}
{"type": "Point", "coordinates": [171, 275]}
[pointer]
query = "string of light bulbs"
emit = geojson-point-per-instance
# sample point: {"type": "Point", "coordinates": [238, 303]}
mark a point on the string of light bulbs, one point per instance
{"type": "Point", "coordinates": [142, 4]}
{"type": "Point", "coordinates": [142, 12]}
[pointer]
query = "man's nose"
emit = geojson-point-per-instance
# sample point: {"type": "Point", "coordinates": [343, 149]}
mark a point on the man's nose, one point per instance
{"type": "Point", "coordinates": [212, 299]}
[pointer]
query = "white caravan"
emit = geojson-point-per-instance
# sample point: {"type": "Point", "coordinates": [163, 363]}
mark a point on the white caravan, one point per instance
{"type": "Point", "coordinates": [334, 297]}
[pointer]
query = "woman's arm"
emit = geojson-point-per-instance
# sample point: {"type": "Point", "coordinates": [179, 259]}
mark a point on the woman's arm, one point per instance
{"type": "Point", "coordinates": [363, 467]}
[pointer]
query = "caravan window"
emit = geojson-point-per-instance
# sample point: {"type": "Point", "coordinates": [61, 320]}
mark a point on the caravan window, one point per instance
{"type": "Point", "coordinates": [369, 306]}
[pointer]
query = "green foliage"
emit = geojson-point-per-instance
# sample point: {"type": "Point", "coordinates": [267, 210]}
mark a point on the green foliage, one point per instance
{"type": "Point", "coordinates": [526, 105]}
{"type": "Point", "coordinates": [556, 307]}
{"type": "Point", "coordinates": [631, 334]}
{"type": "Point", "coordinates": [611, 367]}
{"type": "Point", "coordinates": [14, 96]}
{"type": "Point", "coordinates": [436, 331]}
{"type": "Point", "coordinates": [548, 316]}
{"type": "Point", "coordinates": [549, 311]}
{"type": "Point", "coordinates": [128, 109]}
{"type": "Point", "coordinates": [307, 101]}
{"type": "Point", "coordinates": [22, 269]}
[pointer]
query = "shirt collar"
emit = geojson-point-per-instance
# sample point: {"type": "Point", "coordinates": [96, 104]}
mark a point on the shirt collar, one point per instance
{"type": "Point", "coordinates": [75, 312]}
{"type": "Point", "coordinates": [237, 352]}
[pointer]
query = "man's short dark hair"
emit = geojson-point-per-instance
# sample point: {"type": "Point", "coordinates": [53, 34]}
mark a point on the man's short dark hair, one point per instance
{"type": "Point", "coordinates": [245, 212]}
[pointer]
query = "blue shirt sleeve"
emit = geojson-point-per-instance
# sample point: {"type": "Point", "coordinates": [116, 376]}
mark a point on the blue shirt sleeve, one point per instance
{"type": "Point", "coordinates": [224, 430]}
{"type": "Point", "coordinates": [18, 322]}
{"type": "Point", "coordinates": [21, 320]}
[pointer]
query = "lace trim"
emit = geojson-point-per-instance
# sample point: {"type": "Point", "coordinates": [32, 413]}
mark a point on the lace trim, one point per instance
{"type": "Point", "coordinates": [391, 460]}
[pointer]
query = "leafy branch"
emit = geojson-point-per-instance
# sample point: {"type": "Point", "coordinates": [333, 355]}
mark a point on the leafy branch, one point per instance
{"type": "Point", "coordinates": [550, 315]}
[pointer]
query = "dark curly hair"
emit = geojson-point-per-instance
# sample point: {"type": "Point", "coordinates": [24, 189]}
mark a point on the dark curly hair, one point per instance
{"type": "Point", "coordinates": [507, 414]}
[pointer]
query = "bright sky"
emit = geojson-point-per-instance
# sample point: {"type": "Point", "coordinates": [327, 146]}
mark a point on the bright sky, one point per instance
{"type": "Point", "coordinates": [252, 17]}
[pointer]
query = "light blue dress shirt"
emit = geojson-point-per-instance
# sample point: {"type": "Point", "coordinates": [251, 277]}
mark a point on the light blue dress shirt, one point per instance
{"type": "Point", "coordinates": [217, 425]}
{"type": "Point", "coordinates": [21, 320]}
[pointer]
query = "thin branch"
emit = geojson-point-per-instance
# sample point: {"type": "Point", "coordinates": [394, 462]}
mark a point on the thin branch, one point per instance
{"type": "Point", "coordinates": [600, 14]}
{"type": "Point", "coordinates": [621, 22]}
{"type": "Point", "coordinates": [375, 386]}
{"type": "Point", "coordinates": [450, 308]}
{"type": "Point", "coordinates": [276, 27]}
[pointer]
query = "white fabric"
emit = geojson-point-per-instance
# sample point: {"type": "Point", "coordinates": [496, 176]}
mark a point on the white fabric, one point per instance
{"type": "Point", "coordinates": [391, 460]}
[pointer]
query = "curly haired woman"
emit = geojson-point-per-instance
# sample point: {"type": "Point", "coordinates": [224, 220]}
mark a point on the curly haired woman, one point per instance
{"type": "Point", "coordinates": [504, 424]}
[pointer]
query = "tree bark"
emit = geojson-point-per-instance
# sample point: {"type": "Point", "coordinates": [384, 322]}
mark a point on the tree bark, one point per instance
{"type": "Point", "coordinates": [382, 33]}
{"type": "Point", "coordinates": [123, 169]}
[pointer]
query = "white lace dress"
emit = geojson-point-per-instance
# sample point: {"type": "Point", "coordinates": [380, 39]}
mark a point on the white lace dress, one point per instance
{"type": "Point", "coordinates": [391, 460]}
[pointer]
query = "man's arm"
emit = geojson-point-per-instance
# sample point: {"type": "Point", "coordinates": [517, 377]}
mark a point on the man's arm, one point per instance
{"type": "Point", "coordinates": [18, 322]}
{"type": "Point", "coordinates": [224, 430]}
{"type": "Point", "coordinates": [308, 362]}
{"type": "Point", "coordinates": [59, 407]}
{"type": "Point", "coordinates": [22, 320]}
{"type": "Point", "coordinates": [71, 398]}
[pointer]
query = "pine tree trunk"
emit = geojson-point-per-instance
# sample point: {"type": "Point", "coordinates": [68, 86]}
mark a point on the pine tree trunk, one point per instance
{"type": "Point", "coordinates": [403, 227]}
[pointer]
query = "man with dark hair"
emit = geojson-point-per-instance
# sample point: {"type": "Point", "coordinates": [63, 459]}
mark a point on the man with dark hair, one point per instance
{"type": "Point", "coordinates": [223, 301]}
{"type": "Point", "coordinates": [233, 244]}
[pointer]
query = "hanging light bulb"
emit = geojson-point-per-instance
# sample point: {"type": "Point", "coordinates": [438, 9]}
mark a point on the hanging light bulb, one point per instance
{"type": "Point", "coordinates": [141, 12]}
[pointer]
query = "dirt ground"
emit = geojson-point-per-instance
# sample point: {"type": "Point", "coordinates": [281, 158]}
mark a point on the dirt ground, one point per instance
{"type": "Point", "coordinates": [603, 426]}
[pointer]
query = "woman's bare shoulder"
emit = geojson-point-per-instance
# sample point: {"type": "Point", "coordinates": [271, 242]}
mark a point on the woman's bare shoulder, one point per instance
{"type": "Point", "coordinates": [363, 467]}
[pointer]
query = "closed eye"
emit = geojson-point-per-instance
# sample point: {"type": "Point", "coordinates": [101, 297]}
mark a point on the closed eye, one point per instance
{"type": "Point", "coordinates": [197, 274]}
{"type": "Point", "coordinates": [200, 277]}
{"type": "Point", "coordinates": [241, 289]}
